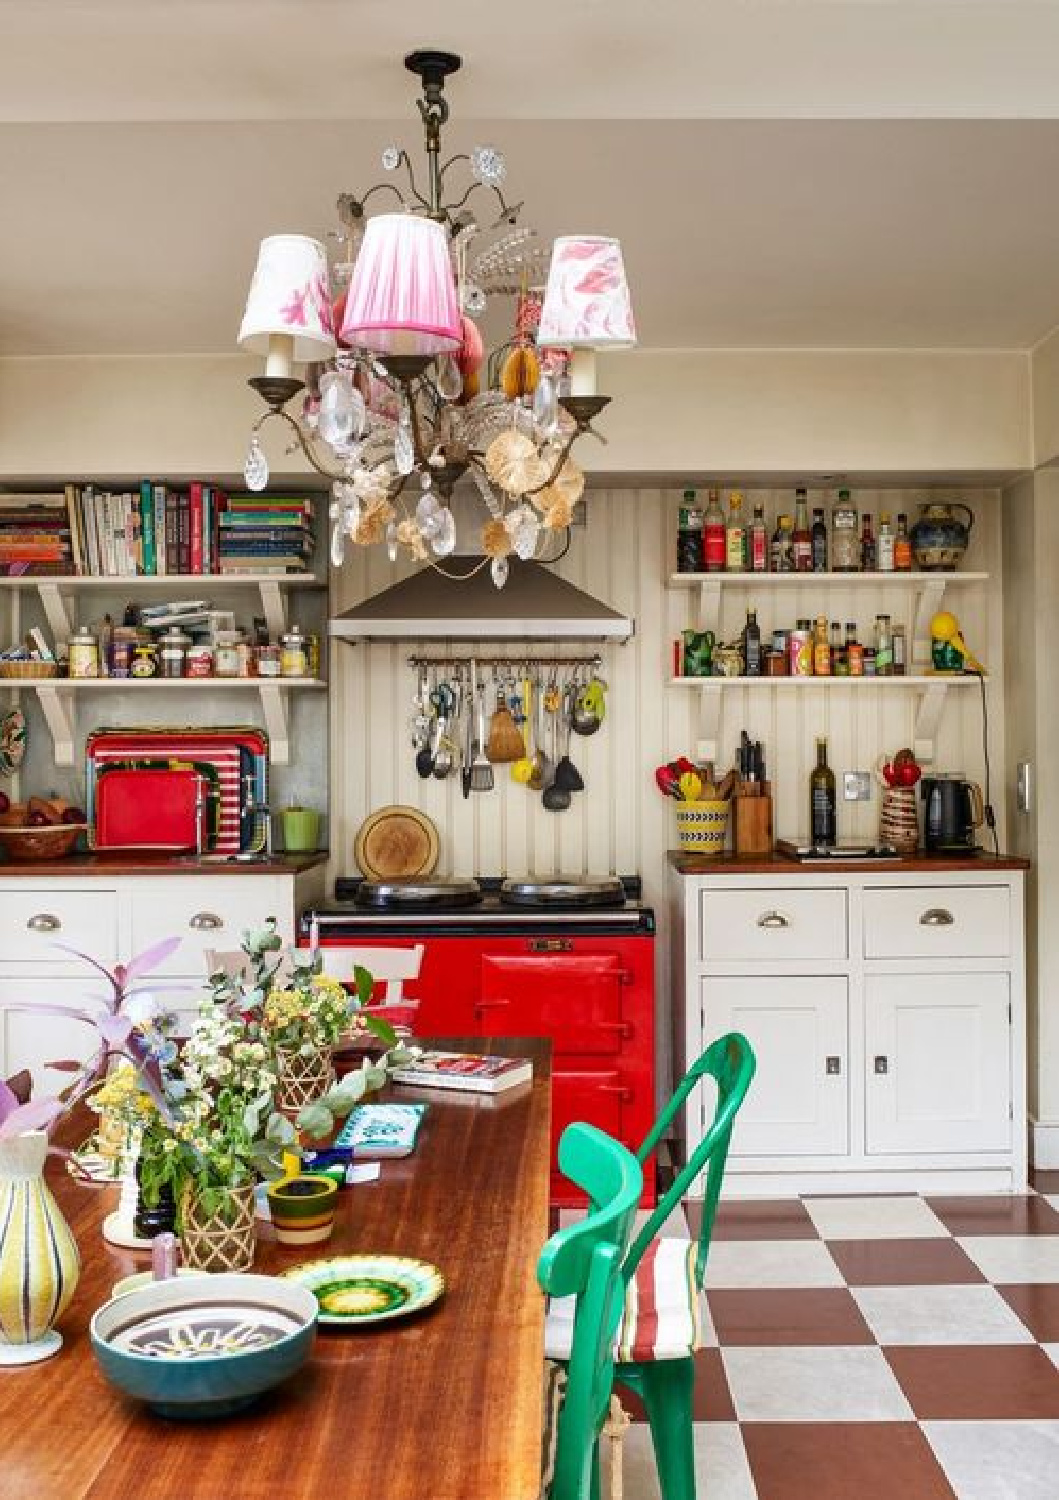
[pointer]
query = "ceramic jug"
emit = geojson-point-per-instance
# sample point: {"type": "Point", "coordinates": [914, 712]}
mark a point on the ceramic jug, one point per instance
{"type": "Point", "coordinates": [939, 538]}
{"type": "Point", "coordinates": [39, 1263]}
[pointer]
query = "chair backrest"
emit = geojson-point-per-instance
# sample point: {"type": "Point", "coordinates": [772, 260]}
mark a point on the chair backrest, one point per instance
{"type": "Point", "coordinates": [389, 966]}
{"type": "Point", "coordinates": [585, 1261]}
{"type": "Point", "coordinates": [730, 1062]}
{"type": "Point", "coordinates": [231, 961]}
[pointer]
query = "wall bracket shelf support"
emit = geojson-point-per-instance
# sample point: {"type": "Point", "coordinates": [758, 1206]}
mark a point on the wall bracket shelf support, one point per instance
{"type": "Point", "coordinates": [57, 708]}
{"type": "Point", "coordinates": [706, 747]}
{"type": "Point", "coordinates": [275, 707]}
{"type": "Point", "coordinates": [928, 717]}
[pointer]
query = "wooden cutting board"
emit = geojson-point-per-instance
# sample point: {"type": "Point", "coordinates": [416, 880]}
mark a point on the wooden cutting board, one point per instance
{"type": "Point", "coordinates": [394, 842]}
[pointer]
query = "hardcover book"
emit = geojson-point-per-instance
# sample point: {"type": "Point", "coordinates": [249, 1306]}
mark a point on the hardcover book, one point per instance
{"type": "Point", "coordinates": [378, 1130]}
{"type": "Point", "coordinates": [472, 1071]}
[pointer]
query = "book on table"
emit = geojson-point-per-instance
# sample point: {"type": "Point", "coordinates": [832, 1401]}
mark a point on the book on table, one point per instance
{"type": "Point", "coordinates": [473, 1071]}
{"type": "Point", "coordinates": [377, 1130]}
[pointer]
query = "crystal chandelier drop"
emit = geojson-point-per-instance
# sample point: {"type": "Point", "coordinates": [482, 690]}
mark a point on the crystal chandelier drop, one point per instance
{"type": "Point", "coordinates": [400, 399]}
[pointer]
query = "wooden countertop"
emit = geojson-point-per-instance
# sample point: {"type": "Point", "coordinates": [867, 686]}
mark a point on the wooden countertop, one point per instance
{"type": "Point", "coordinates": [779, 864]}
{"type": "Point", "coordinates": [77, 865]}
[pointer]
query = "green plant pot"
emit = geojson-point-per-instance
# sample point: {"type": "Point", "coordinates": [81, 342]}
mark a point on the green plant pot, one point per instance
{"type": "Point", "coordinates": [303, 1209]}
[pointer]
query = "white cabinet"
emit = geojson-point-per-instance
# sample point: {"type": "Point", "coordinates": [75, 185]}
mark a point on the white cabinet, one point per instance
{"type": "Point", "coordinates": [887, 1012]}
{"type": "Point", "coordinates": [32, 1038]}
{"type": "Point", "coordinates": [799, 1029]}
{"type": "Point", "coordinates": [939, 1065]}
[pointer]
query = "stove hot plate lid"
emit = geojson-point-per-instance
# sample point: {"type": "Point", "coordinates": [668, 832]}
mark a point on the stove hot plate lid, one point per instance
{"type": "Point", "coordinates": [418, 894]}
{"type": "Point", "coordinates": [563, 890]}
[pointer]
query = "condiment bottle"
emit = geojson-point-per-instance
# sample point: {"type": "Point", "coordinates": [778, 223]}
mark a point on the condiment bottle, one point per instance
{"type": "Point", "coordinates": [900, 658]}
{"type": "Point", "coordinates": [839, 662]}
{"type": "Point", "coordinates": [902, 546]}
{"type": "Point", "coordinates": [854, 650]}
{"type": "Point", "coordinates": [868, 555]}
{"type": "Point", "coordinates": [885, 547]}
{"type": "Point", "coordinates": [783, 546]}
{"type": "Point", "coordinates": [800, 650]}
{"type": "Point", "coordinates": [83, 649]}
{"type": "Point", "coordinates": [819, 541]}
{"type": "Point", "coordinates": [823, 807]}
{"type": "Point", "coordinates": [884, 650]}
{"type": "Point", "coordinates": [752, 644]}
{"type": "Point", "coordinates": [821, 649]}
{"type": "Point", "coordinates": [845, 544]}
{"type": "Point", "coordinates": [713, 545]}
{"type": "Point", "coordinates": [689, 535]}
{"type": "Point", "coordinates": [802, 540]}
{"type": "Point", "coordinates": [758, 542]}
{"type": "Point", "coordinates": [735, 535]}
{"type": "Point", "coordinates": [293, 654]}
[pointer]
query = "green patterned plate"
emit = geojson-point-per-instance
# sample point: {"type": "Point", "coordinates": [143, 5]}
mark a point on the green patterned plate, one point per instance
{"type": "Point", "coordinates": [356, 1289]}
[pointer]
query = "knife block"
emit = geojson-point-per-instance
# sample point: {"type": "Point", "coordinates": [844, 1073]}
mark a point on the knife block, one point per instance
{"type": "Point", "coordinates": [752, 818]}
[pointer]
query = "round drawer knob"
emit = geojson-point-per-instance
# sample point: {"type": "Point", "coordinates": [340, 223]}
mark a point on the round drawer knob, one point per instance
{"type": "Point", "coordinates": [206, 921]}
{"type": "Point", "coordinates": [44, 921]}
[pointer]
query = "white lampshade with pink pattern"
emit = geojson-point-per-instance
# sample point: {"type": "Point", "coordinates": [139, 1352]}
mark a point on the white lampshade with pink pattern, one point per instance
{"type": "Point", "coordinates": [288, 309]}
{"type": "Point", "coordinates": [587, 304]}
{"type": "Point", "coordinates": [402, 295]}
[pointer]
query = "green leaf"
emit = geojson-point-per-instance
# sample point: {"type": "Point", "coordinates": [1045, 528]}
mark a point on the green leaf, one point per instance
{"type": "Point", "coordinates": [316, 1120]}
{"type": "Point", "coordinates": [364, 983]}
{"type": "Point", "coordinates": [382, 1029]}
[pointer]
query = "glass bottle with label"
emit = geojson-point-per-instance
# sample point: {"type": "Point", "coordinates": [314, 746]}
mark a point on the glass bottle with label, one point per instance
{"type": "Point", "coordinates": [902, 546]}
{"type": "Point", "coordinates": [823, 807]}
{"type": "Point", "coordinates": [868, 556]}
{"type": "Point", "coordinates": [713, 543]}
{"type": "Point", "coordinates": [845, 543]}
{"type": "Point", "coordinates": [854, 650]}
{"type": "Point", "coordinates": [752, 644]}
{"type": "Point", "coordinates": [735, 535]}
{"type": "Point", "coordinates": [821, 649]}
{"type": "Point", "coordinates": [839, 661]}
{"type": "Point", "coordinates": [689, 535]}
{"type": "Point", "coordinates": [885, 546]}
{"type": "Point", "coordinates": [758, 542]}
{"type": "Point", "coordinates": [803, 539]}
{"type": "Point", "coordinates": [819, 541]}
{"type": "Point", "coordinates": [884, 647]}
{"type": "Point", "coordinates": [782, 549]}
{"type": "Point", "coordinates": [899, 650]}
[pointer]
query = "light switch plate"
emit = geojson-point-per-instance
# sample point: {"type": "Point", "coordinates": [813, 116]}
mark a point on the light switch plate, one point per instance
{"type": "Point", "coordinates": [856, 786]}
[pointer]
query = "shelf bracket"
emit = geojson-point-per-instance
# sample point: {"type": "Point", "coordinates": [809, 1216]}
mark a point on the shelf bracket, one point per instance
{"type": "Point", "coordinates": [709, 723]}
{"type": "Point", "coordinates": [58, 616]}
{"type": "Point", "coordinates": [931, 593]}
{"type": "Point", "coordinates": [57, 708]}
{"type": "Point", "coordinates": [274, 608]}
{"type": "Point", "coordinates": [274, 705]}
{"type": "Point", "coordinates": [710, 605]}
{"type": "Point", "coordinates": [928, 717]}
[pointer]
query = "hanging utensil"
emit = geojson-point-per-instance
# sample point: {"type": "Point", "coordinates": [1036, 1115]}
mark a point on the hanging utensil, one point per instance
{"type": "Point", "coordinates": [504, 742]}
{"type": "Point", "coordinates": [556, 798]}
{"type": "Point", "coordinates": [567, 776]}
{"type": "Point", "coordinates": [522, 769]}
{"type": "Point", "coordinates": [481, 770]}
{"type": "Point", "coordinates": [541, 766]}
{"type": "Point", "coordinates": [468, 743]}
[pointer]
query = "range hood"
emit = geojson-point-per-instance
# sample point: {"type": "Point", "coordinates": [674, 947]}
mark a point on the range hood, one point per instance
{"type": "Point", "coordinates": [534, 604]}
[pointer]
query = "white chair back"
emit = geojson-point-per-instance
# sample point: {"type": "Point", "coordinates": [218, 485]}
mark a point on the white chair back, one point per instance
{"type": "Point", "coordinates": [392, 967]}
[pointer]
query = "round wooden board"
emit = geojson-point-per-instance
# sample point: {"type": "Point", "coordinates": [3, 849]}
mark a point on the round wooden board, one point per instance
{"type": "Point", "coordinates": [394, 842]}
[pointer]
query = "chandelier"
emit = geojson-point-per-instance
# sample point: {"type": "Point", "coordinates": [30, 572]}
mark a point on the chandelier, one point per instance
{"type": "Point", "coordinates": [400, 400]}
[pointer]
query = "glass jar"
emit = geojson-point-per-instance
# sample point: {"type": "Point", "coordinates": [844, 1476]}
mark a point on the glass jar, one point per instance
{"type": "Point", "coordinates": [198, 660]}
{"type": "Point", "coordinates": [268, 661]}
{"type": "Point", "coordinates": [226, 656]}
{"type": "Point", "coordinates": [145, 660]}
{"type": "Point", "coordinates": [293, 654]}
{"type": "Point", "coordinates": [845, 539]}
{"type": "Point", "coordinates": [173, 646]}
{"type": "Point", "coordinates": [83, 648]}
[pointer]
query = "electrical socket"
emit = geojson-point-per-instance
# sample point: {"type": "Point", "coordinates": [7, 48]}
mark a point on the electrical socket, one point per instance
{"type": "Point", "coordinates": [856, 786]}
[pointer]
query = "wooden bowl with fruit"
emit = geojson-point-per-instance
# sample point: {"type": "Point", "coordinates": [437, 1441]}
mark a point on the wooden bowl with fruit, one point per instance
{"type": "Point", "coordinates": [42, 828]}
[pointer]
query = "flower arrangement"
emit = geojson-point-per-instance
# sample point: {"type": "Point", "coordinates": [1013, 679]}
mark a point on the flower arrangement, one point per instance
{"type": "Point", "coordinates": [310, 1013]}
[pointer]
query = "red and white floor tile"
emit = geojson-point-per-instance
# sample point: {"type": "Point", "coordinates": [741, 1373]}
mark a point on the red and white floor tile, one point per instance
{"type": "Point", "coordinates": [895, 1348]}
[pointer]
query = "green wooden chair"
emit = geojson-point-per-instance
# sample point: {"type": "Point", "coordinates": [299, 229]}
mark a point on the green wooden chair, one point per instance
{"type": "Point", "coordinates": [584, 1263]}
{"type": "Point", "coordinates": [661, 1324]}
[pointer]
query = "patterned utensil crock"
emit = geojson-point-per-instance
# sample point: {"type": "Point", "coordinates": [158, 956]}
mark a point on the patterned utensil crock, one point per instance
{"type": "Point", "coordinates": [39, 1263]}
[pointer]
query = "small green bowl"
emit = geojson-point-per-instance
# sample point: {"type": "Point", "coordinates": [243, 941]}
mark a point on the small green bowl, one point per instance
{"type": "Point", "coordinates": [303, 1209]}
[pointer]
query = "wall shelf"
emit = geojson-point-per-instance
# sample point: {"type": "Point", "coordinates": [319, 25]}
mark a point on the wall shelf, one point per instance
{"type": "Point", "coordinates": [56, 697]}
{"type": "Point", "coordinates": [931, 689]}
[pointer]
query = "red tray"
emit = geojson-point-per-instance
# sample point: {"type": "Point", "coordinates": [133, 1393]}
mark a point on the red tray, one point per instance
{"type": "Point", "coordinates": [143, 808]}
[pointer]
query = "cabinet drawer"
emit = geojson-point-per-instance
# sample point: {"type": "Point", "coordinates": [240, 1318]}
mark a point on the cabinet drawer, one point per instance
{"type": "Point", "coordinates": [32, 922]}
{"type": "Point", "coordinates": [937, 921]}
{"type": "Point", "coordinates": [213, 912]}
{"type": "Point", "coordinates": [764, 925]}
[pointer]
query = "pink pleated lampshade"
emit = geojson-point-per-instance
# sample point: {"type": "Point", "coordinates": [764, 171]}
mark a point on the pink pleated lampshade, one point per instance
{"type": "Point", "coordinates": [587, 303]}
{"type": "Point", "coordinates": [290, 294]}
{"type": "Point", "coordinates": [402, 297]}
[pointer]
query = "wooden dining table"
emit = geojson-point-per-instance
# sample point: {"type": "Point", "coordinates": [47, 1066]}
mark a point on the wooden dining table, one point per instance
{"type": "Point", "coordinates": [442, 1405]}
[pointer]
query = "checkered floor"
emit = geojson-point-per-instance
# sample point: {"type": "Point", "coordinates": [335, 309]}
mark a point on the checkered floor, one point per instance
{"type": "Point", "coordinates": [883, 1348]}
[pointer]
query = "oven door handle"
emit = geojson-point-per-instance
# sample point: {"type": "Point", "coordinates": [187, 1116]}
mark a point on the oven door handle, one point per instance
{"type": "Point", "coordinates": [625, 1029]}
{"type": "Point", "coordinates": [482, 1005]}
{"type": "Point", "coordinates": [623, 1093]}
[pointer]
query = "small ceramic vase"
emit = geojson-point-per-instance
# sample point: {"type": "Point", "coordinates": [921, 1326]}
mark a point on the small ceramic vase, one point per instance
{"type": "Point", "coordinates": [39, 1263]}
{"type": "Point", "coordinates": [303, 1209]}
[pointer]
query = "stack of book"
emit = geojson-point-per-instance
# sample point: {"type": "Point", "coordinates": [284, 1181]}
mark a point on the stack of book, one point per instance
{"type": "Point", "coordinates": [265, 534]}
{"type": "Point", "coordinates": [34, 534]}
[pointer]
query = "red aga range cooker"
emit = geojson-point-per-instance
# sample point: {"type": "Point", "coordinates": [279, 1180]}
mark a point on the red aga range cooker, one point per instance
{"type": "Point", "coordinates": [570, 959]}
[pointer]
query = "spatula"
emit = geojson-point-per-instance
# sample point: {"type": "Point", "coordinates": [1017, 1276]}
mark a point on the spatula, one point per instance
{"type": "Point", "coordinates": [481, 770]}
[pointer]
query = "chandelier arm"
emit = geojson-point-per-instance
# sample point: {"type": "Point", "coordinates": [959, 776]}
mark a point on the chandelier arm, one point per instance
{"type": "Point", "coordinates": [459, 156]}
{"type": "Point", "coordinates": [564, 454]}
{"type": "Point", "coordinates": [389, 187]}
{"type": "Point", "coordinates": [303, 444]}
{"type": "Point", "coordinates": [452, 207]}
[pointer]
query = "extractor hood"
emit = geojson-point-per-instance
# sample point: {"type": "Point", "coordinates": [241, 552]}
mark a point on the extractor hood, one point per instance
{"type": "Point", "coordinates": [534, 604]}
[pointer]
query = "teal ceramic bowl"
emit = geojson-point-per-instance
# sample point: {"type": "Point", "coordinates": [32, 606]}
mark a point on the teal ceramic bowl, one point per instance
{"type": "Point", "coordinates": [204, 1346]}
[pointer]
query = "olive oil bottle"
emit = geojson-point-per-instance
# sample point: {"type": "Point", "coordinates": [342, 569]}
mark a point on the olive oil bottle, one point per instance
{"type": "Point", "coordinates": [823, 819]}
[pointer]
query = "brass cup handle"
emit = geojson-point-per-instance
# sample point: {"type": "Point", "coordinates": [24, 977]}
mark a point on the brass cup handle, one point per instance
{"type": "Point", "coordinates": [206, 921]}
{"type": "Point", "coordinates": [44, 921]}
{"type": "Point", "coordinates": [937, 916]}
{"type": "Point", "coordinates": [773, 920]}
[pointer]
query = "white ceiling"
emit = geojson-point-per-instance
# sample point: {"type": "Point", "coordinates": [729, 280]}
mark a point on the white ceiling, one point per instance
{"type": "Point", "coordinates": [839, 173]}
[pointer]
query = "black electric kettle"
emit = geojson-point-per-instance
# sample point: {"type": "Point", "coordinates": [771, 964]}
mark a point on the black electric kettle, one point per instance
{"type": "Point", "coordinates": [954, 809]}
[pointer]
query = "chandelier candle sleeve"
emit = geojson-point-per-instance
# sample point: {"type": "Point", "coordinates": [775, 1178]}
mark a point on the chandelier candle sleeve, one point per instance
{"type": "Point", "coordinates": [288, 308]}
{"type": "Point", "coordinates": [587, 305]}
{"type": "Point", "coordinates": [402, 299]}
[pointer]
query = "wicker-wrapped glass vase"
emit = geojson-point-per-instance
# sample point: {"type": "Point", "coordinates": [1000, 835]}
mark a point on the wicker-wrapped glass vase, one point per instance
{"type": "Point", "coordinates": [221, 1240]}
{"type": "Point", "coordinates": [302, 1077]}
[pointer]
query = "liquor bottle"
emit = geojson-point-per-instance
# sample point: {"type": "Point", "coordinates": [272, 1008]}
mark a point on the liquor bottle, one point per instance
{"type": "Point", "coordinates": [845, 544]}
{"type": "Point", "coordinates": [869, 560]}
{"type": "Point", "coordinates": [885, 548]}
{"type": "Point", "coordinates": [752, 644]}
{"type": "Point", "coordinates": [803, 540]}
{"type": "Point", "coordinates": [782, 548]}
{"type": "Point", "coordinates": [823, 808]}
{"type": "Point", "coordinates": [689, 535]}
{"type": "Point", "coordinates": [884, 647]}
{"type": "Point", "coordinates": [713, 545]}
{"type": "Point", "coordinates": [902, 546]}
{"type": "Point", "coordinates": [900, 655]}
{"type": "Point", "coordinates": [758, 542]}
{"type": "Point", "coordinates": [821, 649]}
{"type": "Point", "coordinates": [819, 541]}
{"type": "Point", "coordinates": [735, 535]}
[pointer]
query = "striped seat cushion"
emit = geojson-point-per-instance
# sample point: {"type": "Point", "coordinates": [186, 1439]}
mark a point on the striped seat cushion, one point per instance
{"type": "Point", "coordinates": [663, 1310]}
{"type": "Point", "coordinates": [554, 1386]}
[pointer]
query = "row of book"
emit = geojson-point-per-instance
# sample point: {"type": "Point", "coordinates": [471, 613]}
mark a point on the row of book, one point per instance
{"type": "Point", "coordinates": [157, 530]}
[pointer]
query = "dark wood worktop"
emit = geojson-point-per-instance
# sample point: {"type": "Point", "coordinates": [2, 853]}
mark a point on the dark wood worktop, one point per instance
{"type": "Point", "coordinates": [778, 864]}
{"type": "Point", "coordinates": [77, 865]}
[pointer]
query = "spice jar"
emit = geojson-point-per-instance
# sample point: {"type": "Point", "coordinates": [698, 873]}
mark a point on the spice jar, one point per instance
{"type": "Point", "coordinates": [293, 654]}
{"type": "Point", "coordinates": [198, 660]}
{"type": "Point", "coordinates": [226, 655]}
{"type": "Point", "coordinates": [268, 661]}
{"type": "Point", "coordinates": [83, 648]}
{"type": "Point", "coordinates": [172, 651]}
{"type": "Point", "coordinates": [145, 660]}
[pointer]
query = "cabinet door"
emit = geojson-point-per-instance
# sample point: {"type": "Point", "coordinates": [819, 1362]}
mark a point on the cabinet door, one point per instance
{"type": "Point", "coordinates": [797, 1104]}
{"type": "Point", "coordinates": [207, 912]}
{"type": "Point", "coordinates": [939, 1063]}
{"type": "Point", "coordinates": [576, 999]}
{"type": "Point", "coordinates": [31, 1039]}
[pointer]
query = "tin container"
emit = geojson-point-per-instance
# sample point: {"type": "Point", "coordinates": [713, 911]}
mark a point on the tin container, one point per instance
{"type": "Point", "coordinates": [198, 660]}
{"type": "Point", "coordinates": [800, 650]}
{"type": "Point", "coordinates": [83, 648]}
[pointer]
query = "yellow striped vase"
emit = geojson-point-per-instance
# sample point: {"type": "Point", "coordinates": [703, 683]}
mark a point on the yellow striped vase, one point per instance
{"type": "Point", "coordinates": [39, 1263]}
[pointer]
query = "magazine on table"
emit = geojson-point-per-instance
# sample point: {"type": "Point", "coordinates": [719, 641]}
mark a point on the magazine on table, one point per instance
{"type": "Point", "coordinates": [473, 1072]}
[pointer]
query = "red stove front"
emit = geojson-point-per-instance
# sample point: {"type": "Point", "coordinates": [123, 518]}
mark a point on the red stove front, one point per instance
{"type": "Point", "coordinates": [593, 996]}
